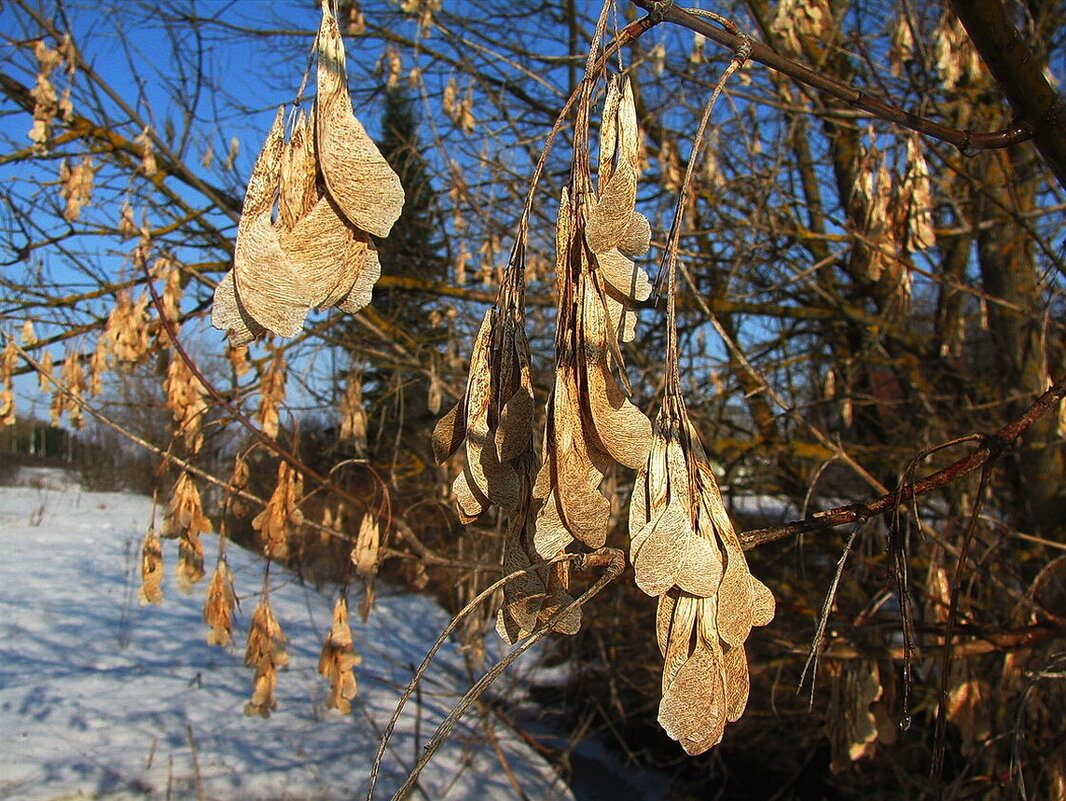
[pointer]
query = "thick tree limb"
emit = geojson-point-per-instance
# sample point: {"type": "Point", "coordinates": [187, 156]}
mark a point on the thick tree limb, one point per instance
{"type": "Point", "coordinates": [1020, 74]}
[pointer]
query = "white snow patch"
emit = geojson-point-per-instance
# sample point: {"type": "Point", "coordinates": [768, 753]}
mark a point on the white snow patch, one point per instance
{"type": "Point", "coordinates": [98, 696]}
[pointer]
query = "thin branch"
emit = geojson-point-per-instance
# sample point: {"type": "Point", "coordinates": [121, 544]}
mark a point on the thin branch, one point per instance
{"type": "Point", "coordinates": [966, 141]}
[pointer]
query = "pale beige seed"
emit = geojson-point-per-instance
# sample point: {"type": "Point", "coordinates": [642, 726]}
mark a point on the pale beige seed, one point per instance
{"type": "Point", "coordinates": [367, 546]}
{"type": "Point", "coordinates": [551, 535]}
{"type": "Point", "coordinates": [360, 293]}
{"type": "Point", "coordinates": [737, 682]}
{"type": "Point", "coordinates": [637, 237]}
{"type": "Point", "coordinates": [471, 503]}
{"type": "Point", "coordinates": [692, 710]}
{"type": "Point", "coordinates": [357, 176]}
{"type": "Point", "coordinates": [515, 428]}
{"type": "Point", "coordinates": [662, 550]}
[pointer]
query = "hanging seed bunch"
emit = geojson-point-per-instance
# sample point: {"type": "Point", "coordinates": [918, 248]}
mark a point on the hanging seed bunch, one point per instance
{"type": "Point", "coordinates": [75, 186]}
{"type": "Point", "coordinates": [333, 189]}
{"type": "Point", "coordinates": [592, 424]}
{"type": "Point", "coordinates": [8, 360]}
{"type": "Point", "coordinates": [366, 553]}
{"type": "Point", "coordinates": [48, 104]}
{"type": "Point", "coordinates": [685, 552]}
{"type": "Point", "coordinates": [185, 520]}
{"type": "Point", "coordinates": [266, 653]}
{"type": "Point", "coordinates": [338, 659]}
{"type": "Point", "coordinates": [151, 591]}
{"type": "Point", "coordinates": [281, 516]}
{"type": "Point", "coordinates": [69, 391]}
{"type": "Point", "coordinates": [493, 424]}
{"type": "Point", "coordinates": [221, 601]}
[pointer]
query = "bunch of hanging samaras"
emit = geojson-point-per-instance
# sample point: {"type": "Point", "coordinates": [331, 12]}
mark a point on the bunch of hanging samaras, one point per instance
{"type": "Point", "coordinates": [332, 188]}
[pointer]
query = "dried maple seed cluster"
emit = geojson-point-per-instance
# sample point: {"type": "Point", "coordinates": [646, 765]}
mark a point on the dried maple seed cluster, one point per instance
{"type": "Point", "coordinates": [684, 551]}
{"type": "Point", "coordinates": [683, 546]}
{"type": "Point", "coordinates": [333, 189]}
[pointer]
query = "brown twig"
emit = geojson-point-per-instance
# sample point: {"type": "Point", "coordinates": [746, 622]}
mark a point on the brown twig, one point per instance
{"type": "Point", "coordinates": [992, 445]}
{"type": "Point", "coordinates": [966, 141]}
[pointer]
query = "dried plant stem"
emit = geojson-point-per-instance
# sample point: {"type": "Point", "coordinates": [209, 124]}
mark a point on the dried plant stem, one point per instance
{"type": "Point", "coordinates": [610, 558]}
{"type": "Point", "coordinates": [452, 626]}
{"type": "Point", "coordinates": [991, 448]}
{"type": "Point", "coordinates": [810, 667]}
{"type": "Point", "coordinates": [195, 763]}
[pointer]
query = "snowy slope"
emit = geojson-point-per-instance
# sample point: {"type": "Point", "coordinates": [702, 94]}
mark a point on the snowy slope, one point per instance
{"type": "Point", "coordinates": [100, 698]}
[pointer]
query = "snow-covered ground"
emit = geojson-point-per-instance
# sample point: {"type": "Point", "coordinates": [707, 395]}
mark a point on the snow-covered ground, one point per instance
{"type": "Point", "coordinates": [101, 698]}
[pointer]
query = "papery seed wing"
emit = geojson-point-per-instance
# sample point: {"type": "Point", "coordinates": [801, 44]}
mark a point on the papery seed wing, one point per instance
{"type": "Point", "coordinates": [692, 710]}
{"type": "Point", "coordinates": [515, 428]}
{"type": "Point", "coordinates": [661, 552]}
{"type": "Point", "coordinates": [623, 319]}
{"type": "Point", "coordinates": [700, 572]}
{"type": "Point", "coordinates": [268, 284]}
{"type": "Point", "coordinates": [610, 216]}
{"type": "Point", "coordinates": [621, 428]}
{"type": "Point", "coordinates": [329, 254]}
{"type": "Point", "coordinates": [734, 594]}
{"type": "Point", "coordinates": [362, 290]}
{"type": "Point", "coordinates": [227, 314]}
{"type": "Point", "coordinates": [608, 132]}
{"type": "Point", "coordinates": [737, 682]}
{"type": "Point", "coordinates": [471, 502]}
{"type": "Point", "coordinates": [497, 481]}
{"type": "Point", "coordinates": [579, 467]}
{"type": "Point", "coordinates": [763, 604]}
{"type": "Point", "coordinates": [637, 237]}
{"type": "Point", "coordinates": [551, 535]}
{"type": "Point", "coordinates": [298, 193]}
{"type": "Point", "coordinates": [664, 616]}
{"type": "Point", "coordinates": [449, 432]}
{"type": "Point", "coordinates": [679, 638]}
{"type": "Point", "coordinates": [623, 275]}
{"type": "Point", "coordinates": [365, 187]}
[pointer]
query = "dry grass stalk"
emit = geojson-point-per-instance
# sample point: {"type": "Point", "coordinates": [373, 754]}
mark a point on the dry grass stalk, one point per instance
{"type": "Point", "coordinates": [221, 601]}
{"type": "Point", "coordinates": [276, 523]}
{"type": "Point", "coordinates": [266, 653]}
{"type": "Point", "coordinates": [151, 591]}
{"type": "Point", "coordinates": [338, 659]}
{"type": "Point", "coordinates": [318, 252]}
